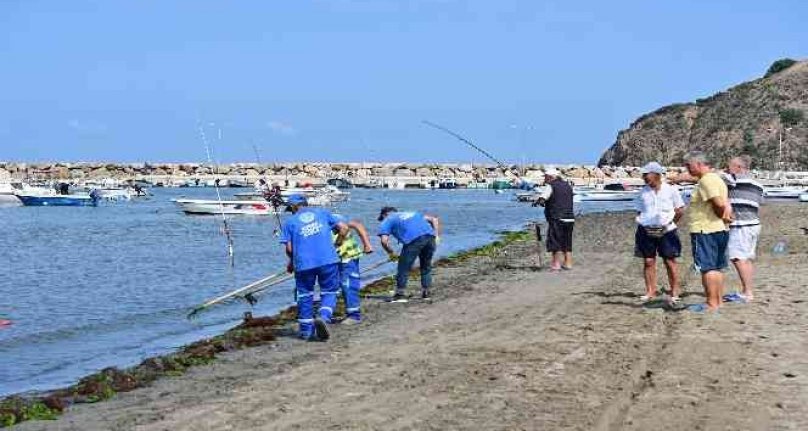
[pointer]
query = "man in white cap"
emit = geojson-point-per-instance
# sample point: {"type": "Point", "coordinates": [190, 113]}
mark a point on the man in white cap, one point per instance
{"type": "Point", "coordinates": [659, 207]}
{"type": "Point", "coordinates": [558, 211]}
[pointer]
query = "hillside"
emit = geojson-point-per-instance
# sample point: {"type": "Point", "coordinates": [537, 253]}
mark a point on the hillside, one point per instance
{"type": "Point", "coordinates": [747, 118]}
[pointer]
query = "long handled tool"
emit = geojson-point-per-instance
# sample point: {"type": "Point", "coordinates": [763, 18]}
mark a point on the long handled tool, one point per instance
{"type": "Point", "coordinates": [251, 289]}
{"type": "Point", "coordinates": [239, 292]}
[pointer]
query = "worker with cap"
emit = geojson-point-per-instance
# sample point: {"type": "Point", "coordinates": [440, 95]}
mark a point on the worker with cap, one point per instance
{"type": "Point", "coordinates": [313, 259]}
{"type": "Point", "coordinates": [419, 235]}
{"type": "Point", "coordinates": [349, 252]}
{"type": "Point", "coordinates": [558, 211]}
{"type": "Point", "coordinates": [659, 207]}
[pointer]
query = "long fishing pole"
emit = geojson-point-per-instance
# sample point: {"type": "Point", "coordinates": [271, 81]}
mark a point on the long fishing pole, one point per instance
{"type": "Point", "coordinates": [249, 290]}
{"type": "Point", "coordinates": [237, 292]}
{"type": "Point", "coordinates": [469, 143]}
{"type": "Point", "coordinates": [225, 225]}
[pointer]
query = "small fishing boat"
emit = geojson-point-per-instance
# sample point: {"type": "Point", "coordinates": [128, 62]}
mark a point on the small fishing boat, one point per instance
{"type": "Point", "coordinates": [340, 183]}
{"type": "Point", "coordinates": [40, 200]}
{"type": "Point", "coordinates": [447, 183]}
{"type": "Point", "coordinates": [211, 207]}
{"type": "Point", "coordinates": [609, 193]}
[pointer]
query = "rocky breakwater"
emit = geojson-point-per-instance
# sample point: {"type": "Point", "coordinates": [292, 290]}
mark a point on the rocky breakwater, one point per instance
{"type": "Point", "coordinates": [314, 172]}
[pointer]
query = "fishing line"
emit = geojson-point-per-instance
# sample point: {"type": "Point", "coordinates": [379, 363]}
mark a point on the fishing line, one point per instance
{"type": "Point", "coordinates": [469, 143]}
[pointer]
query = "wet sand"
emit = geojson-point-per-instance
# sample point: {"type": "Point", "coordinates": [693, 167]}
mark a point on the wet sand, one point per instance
{"type": "Point", "coordinates": [502, 346]}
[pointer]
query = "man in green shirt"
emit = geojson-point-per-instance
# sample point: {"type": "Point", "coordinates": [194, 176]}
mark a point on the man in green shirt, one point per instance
{"type": "Point", "coordinates": [349, 252]}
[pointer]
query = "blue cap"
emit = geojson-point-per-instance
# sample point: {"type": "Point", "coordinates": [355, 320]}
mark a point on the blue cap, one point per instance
{"type": "Point", "coordinates": [297, 199]}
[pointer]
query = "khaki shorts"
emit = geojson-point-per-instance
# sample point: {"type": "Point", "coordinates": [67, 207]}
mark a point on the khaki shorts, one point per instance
{"type": "Point", "coordinates": [743, 242]}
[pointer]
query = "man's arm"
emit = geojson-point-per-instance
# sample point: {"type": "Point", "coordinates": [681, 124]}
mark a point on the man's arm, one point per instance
{"type": "Point", "coordinates": [342, 232]}
{"type": "Point", "coordinates": [363, 235]}
{"type": "Point", "coordinates": [435, 222]}
{"type": "Point", "coordinates": [385, 239]}
{"type": "Point", "coordinates": [548, 191]}
{"type": "Point", "coordinates": [722, 208]}
{"type": "Point", "coordinates": [290, 266]}
{"type": "Point", "coordinates": [677, 214]}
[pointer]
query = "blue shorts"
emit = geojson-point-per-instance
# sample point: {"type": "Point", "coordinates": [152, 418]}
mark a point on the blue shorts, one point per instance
{"type": "Point", "coordinates": [667, 247]}
{"type": "Point", "coordinates": [710, 250]}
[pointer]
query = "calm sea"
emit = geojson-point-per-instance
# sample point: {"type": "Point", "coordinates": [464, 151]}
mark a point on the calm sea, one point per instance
{"type": "Point", "coordinates": [89, 288]}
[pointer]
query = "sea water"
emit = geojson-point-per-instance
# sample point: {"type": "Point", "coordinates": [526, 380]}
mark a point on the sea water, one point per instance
{"type": "Point", "coordinates": [89, 288]}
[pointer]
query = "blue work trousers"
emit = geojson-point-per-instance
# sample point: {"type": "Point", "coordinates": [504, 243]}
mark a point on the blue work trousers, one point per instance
{"type": "Point", "coordinates": [421, 248]}
{"type": "Point", "coordinates": [328, 278]}
{"type": "Point", "coordinates": [350, 283]}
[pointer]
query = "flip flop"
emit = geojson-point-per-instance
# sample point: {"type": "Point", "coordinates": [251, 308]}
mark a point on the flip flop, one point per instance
{"type": "Point", "coordinates": [734, 297]}
{"type": "Point", "coordinates": [700, 308]}
{"type": "Point", "coordinates": [646, 298]}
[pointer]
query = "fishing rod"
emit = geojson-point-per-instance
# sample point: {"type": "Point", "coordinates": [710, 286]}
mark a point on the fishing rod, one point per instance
{"type": "Point", "coordinates": [247, 292]}
{"type": "Point", "coordinates": [225, 225]}
{"type": "Point", "coordinates": [469, 143]}
{"type": "Point", "coordinates": [237, 292]}
{"type": "Point", "coordinates": [275, 200]}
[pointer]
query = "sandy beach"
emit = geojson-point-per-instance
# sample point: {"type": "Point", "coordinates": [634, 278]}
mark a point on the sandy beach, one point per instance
{"type": "Point", "coordinates": [503, 346]}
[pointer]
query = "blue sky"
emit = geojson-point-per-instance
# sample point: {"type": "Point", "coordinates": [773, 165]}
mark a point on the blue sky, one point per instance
{"type": "Point", "coordinates": [544, 81]}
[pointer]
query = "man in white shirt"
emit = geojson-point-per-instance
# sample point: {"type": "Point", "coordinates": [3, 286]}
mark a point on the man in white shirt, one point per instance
{"type": "Point", "coordinates": [659, 206]}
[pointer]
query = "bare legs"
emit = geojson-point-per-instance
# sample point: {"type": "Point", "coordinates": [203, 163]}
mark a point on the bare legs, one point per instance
{"type": "Point", "coordinates": [561, 258]}
{"type": "Point", "coordinates": [650, 272]}
{"type": "Point", "coordinates": [713, 282]}
{"type": "Point", "coordinates": [746, 271]}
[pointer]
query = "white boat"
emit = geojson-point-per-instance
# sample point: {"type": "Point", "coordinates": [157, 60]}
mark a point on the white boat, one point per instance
{"type": "Point", "coordinates": [615, 192]}
{"type": "Point", "coordinates": [608, 196]}
{"type": "Point", "coordinates": [803, 197]}
{"type": "Point", "coordinates": [8, 194]}
{"type": "Point", "coordinates": [212, 207]}
{"type": "Point", "coordinates": [783, 192]}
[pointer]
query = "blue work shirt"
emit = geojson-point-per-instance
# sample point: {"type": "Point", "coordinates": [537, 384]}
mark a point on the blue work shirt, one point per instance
{"type": "Point", "coordinates": [309, 231]}
{"type": "Point", "coordinates": [406, 226]}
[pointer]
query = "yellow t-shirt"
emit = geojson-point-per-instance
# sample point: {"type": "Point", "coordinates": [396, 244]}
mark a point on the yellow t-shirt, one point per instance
{"type": "Point", "coordinates": [701, 214]}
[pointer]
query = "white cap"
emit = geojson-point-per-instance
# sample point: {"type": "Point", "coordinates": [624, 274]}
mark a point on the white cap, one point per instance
{"type": "Point", "coordinates": [652, 168]}
{"type": "Point", "coordinates": [553, 172]}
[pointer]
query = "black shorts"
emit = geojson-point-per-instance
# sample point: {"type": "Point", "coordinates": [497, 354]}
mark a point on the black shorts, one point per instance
{"type": "Point", "coordinates": [667, 247]}
{"type": "Point", "coordinates": [559, 235]}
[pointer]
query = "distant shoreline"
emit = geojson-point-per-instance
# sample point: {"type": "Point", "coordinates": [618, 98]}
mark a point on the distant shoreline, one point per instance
{"type": "Point", "coordinates": [392, 174]}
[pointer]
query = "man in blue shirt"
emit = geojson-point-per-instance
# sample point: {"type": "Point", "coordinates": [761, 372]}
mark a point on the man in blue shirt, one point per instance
{"type": "Point", "coordinates": [419, 235]}
{"type": "Point", "coordinates": [313, 258]}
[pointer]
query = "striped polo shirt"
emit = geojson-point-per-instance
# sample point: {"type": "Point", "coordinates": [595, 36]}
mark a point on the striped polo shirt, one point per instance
{"type": "Point", "coordinates": [745, 196]}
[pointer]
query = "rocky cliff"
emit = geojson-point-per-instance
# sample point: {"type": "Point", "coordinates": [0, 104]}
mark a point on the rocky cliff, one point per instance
{"type": "Point", "coordinates": [750, 118]}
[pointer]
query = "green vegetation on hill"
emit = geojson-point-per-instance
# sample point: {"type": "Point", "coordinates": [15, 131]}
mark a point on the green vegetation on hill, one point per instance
{"type": "Point", "coordinates": [750, 118]}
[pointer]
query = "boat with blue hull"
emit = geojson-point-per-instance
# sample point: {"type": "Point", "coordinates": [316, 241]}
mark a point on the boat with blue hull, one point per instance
{"type": "Point", "coordinates": [58, 200]}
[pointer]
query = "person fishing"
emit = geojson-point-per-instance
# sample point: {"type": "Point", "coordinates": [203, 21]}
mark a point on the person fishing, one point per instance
{"type": "Point", "coordinates": [659, 207]}
{"type": "Point", "coordinates": [349, 253]}
{"type": "Point", "coordinates": [558, 211]}
{"type": "Point", "coordinates": [419, 234]}
{"type": "Point", "coordinates": [313, 259]}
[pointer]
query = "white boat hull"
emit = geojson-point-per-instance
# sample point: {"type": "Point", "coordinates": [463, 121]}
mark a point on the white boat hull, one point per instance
{"type": "Point", "coordinates": [8, 200]}
{"type": "Point", "coordinates": [606, 196]}
{"type": "Point", "coordinates": [213, 207]}
{"type": "Point", "coordinates": [804, 197]}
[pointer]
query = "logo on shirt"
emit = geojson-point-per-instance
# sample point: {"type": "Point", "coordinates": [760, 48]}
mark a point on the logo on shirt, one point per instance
{"type": "Point", "coordinates": [311, 229]}
{"type": "Point", "coordinates": [406, 216]}
{"type": "Point", "coordinates": [307, 217]}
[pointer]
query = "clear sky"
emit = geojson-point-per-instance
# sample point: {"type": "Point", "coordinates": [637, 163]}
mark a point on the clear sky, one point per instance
{"type": "Point", "coordinates": [544, 81]}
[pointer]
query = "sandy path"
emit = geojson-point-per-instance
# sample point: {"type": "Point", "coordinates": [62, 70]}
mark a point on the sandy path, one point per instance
{"type": "Point", "coordinates": [504, 347]}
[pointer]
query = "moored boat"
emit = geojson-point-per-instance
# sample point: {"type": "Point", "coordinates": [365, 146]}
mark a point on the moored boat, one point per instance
{"type": "Point", "coordinates": [783, 192]}
{"type": "Point", "coordinates": [210, 207]}
{"type": "Point", "coordinates": [40, 200]}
